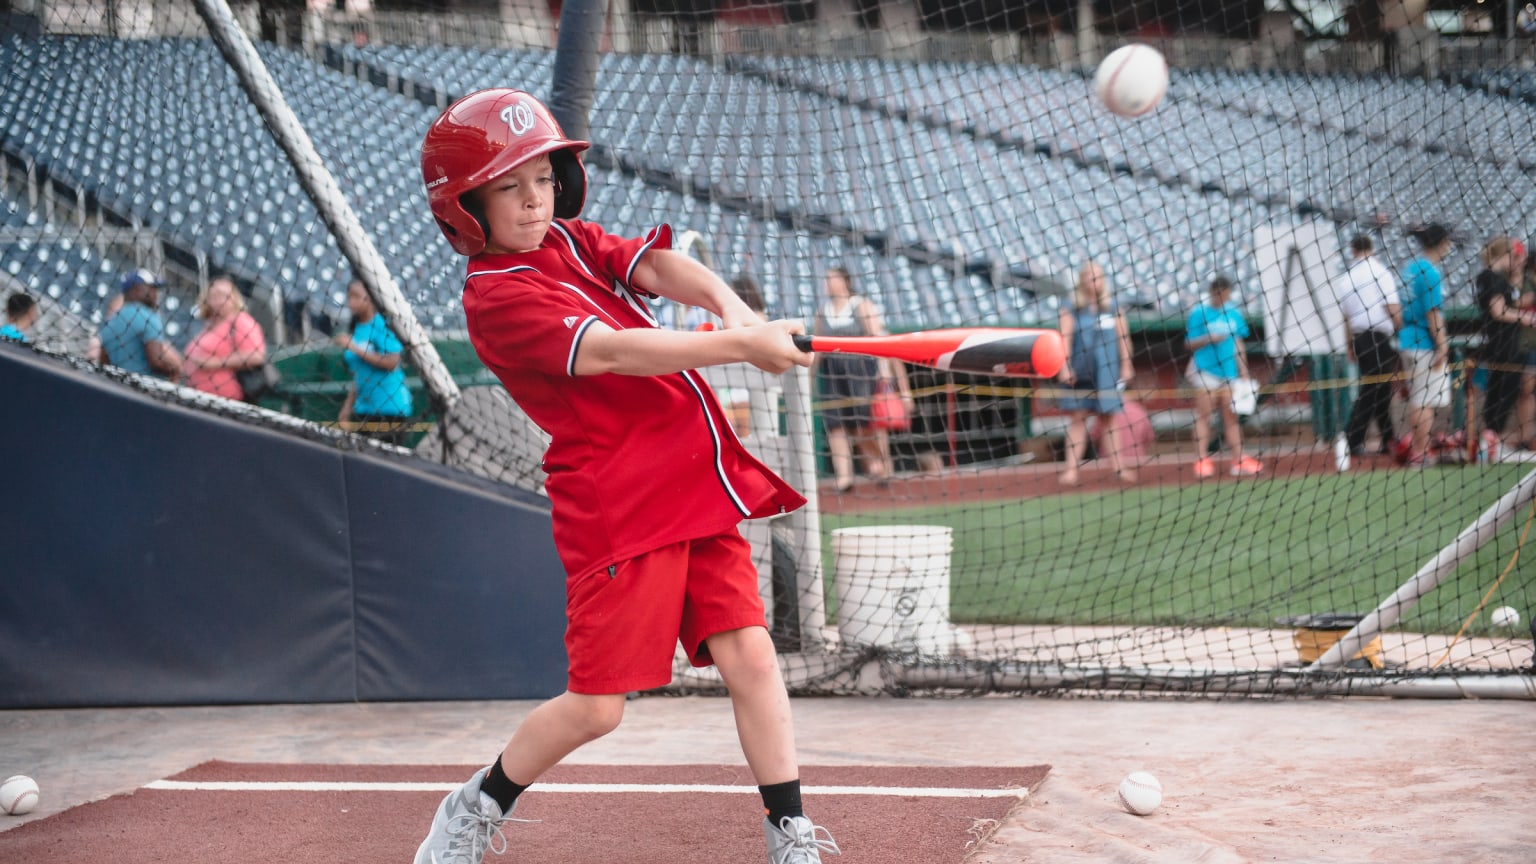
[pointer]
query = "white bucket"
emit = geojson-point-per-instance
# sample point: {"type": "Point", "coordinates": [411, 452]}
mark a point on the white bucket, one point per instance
{"type": "Point", "coordinates": [892, 584]}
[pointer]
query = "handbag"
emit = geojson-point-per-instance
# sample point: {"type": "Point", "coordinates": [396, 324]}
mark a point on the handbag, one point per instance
{"type": "Point", "coordinates": [258, 381]}
{"type": "Point", "coordinates": [255, 381]}
{"type": "Point", "coordinates": [887, 410]}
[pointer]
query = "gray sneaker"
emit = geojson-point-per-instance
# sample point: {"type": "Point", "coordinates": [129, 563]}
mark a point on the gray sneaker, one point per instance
{"type": "Point", "coordinates": [794, 841]}
{"type": "Point", "coordinates": [467, 824]}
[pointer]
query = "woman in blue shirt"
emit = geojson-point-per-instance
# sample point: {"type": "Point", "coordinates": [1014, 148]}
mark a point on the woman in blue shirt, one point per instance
{"type": "Point", "coordinates": [1215, 332]}
{"type": "Point", "coordinates": [378, 402]}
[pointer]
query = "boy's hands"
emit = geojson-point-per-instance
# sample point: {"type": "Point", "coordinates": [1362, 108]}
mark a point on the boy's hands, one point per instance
{"type": "Point", "coordinates": [769, 345]}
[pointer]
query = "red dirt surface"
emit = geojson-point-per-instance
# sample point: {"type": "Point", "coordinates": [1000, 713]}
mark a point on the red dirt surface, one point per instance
{"type": "Point", "coordinates": [212, 827]}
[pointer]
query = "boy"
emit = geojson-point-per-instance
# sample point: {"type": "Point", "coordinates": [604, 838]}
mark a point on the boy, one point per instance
{"type": "Point", "coordinates": [20, 314]}
{"type": "Point", "coordinates": [1215, 332]}
{"type": "Point", "coordinates": [645, 478]}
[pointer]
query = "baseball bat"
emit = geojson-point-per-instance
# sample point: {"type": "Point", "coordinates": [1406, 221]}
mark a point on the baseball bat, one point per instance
{"type": "Point", "coordinates": [1017, 352]}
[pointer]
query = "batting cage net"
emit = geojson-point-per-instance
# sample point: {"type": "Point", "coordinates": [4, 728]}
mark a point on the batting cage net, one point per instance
{"type": "Point", "coordinates": [1287, 451]}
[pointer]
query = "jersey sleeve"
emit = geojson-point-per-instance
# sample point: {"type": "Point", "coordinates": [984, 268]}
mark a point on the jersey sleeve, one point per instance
{"type": "Point", "coordinates": [620, 255]}
{"type": "Point", "coordinates": [521, 320]}
{"type": "Point", "coordinates": [1239, 324]}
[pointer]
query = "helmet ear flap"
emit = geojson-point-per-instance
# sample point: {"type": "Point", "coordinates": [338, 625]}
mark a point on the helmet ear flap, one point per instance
{"type": "Point", "coordinates": [471, 204]}
{"type": "Point", "coordinates": [571, 183]}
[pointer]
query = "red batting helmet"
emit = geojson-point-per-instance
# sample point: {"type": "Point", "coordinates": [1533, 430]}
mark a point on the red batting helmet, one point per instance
{"type": "Point", "coordinates": [479, 138]}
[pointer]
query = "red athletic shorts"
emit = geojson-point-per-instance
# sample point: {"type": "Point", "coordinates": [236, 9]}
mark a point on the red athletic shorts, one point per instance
{"type": "Point", "coordinates": [624, 621]}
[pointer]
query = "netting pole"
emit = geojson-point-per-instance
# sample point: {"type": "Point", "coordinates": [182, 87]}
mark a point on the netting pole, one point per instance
{"type": "Point", "coordinates": [805, 522]}
{"type": "Point", "coordinates": [321, 187]}
{"type": "Point", "coordinates": [1430, 575]}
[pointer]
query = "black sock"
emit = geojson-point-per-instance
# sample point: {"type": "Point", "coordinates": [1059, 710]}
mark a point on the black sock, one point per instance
{"type": "Point", "coordinates": [500, 787]}
{"type": "Point", "coordinates": [781, 800]}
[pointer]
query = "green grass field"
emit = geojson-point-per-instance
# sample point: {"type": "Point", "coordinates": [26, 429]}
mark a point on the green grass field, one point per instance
{"type": "Point", "coordinates": [1223, 554]}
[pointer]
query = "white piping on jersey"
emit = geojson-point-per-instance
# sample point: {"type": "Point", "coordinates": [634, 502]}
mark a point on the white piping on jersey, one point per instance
{"type": "Point", "coordinates": [650, 240]}
{"type": "Point", "coordinates": [513, 269]}
{"type": "Point", "coordinates": [570, 360]}
{"type": "Point", "coordinates": [634, 302]}
{"type": "Point", "coordinates": [571, 242]}
{"type": "Point", "coordinates": [714, 434]}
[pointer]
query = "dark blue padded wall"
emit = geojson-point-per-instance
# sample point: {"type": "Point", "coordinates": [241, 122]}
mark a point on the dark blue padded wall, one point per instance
{"type": "Point", "coordinates": [156, 555]}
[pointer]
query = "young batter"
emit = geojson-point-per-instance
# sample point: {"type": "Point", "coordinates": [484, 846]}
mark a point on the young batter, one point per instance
{"type": "Point", "coordinates": [646, 479]}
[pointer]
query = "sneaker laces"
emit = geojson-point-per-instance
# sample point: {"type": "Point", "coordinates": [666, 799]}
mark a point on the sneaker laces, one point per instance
{"type": "Point", "coordinates": [471, 835]}
{"type": "Point", "coordinates": [805, 841]}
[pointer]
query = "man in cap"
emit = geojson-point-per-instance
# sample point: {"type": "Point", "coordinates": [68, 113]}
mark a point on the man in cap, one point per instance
{"type": "Point", "coordinates": [135, 340]}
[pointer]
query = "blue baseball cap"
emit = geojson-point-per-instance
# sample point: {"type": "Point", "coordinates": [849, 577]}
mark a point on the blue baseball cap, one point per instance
{"type": "Point", "coordinates": [139, 277]}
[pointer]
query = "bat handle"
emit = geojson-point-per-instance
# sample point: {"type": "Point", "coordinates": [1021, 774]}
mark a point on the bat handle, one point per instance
{"type": "Point", "coordinates": [803, 342]}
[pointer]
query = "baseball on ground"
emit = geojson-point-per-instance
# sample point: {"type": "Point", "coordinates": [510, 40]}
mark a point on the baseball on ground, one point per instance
{"type": "Point", "coordinates": [18, 795]}
{"type": "Point", "coordinates": [1140, 793]}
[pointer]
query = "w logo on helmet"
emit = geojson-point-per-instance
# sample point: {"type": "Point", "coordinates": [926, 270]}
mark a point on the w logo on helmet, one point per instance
{"type": "Point", "coordinates": [519, 117]}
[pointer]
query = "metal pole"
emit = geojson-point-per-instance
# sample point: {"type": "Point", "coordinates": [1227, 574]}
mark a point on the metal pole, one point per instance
{"type": "Point", "coordinates": [321, 187]}
{"type": "Point", "coordinates": [1430, 575]}
{"type": "Point", "coordinates": [805, 522]}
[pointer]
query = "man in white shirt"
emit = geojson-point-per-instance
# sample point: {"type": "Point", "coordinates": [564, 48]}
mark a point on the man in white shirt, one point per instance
{"type": "Point", "coordinates": [1369, 298]}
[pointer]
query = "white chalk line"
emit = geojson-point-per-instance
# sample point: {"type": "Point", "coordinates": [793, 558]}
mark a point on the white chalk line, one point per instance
{"type": "Point", "coordinates": [581, 788]}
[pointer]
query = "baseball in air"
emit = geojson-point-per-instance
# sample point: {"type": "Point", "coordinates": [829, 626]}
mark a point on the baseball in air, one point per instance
{"type": "Point", "coordinates": [1140, 793]}
{"type": "Point", "coordinates": [18, 795]}
{"type": "Point", "coordinates": [1131, 80]}
{"type": "Point", "coordinates": [1504, 616]}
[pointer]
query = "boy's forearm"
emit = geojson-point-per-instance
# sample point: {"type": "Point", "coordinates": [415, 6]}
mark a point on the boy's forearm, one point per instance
{"type": "Point", "coordinates": [642, 351]}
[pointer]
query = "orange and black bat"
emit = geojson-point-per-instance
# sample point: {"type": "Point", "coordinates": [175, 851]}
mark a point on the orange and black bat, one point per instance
{"type": "Point", "coordinates": [1018, 352]}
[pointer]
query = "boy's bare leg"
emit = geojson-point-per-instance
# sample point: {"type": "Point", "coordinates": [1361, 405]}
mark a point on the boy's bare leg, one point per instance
{"type": "Point", "coordinates": [750, 668]}
{"type": "Point", "coordinates": [555, 729]}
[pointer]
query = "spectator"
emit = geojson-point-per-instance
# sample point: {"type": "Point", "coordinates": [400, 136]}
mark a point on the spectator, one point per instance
{"type": "Point", "coordinates": [848, 381]}
{"type": "Point", "coordinates": [230, 340]}
{"type": "Point", "coordinates": [1525, 298]}
{"type": "Point", "coordinates": [21, 313]}
{"type": "Point", "coordinates": [746, 288]}
{"type": "Point", "coordinates": [378, 402]}
{"type": "Point", "coordinates": [134, 338]}
{"type": "Point", "coordinates": [1098, 346]}
{"type": "Point", "coordinates": [1215, 332]}
{"type": "Point", "coordinates": [1423, 339]}
{"type": "Point", "coordinates": [1501, 324]}
{"type": "Point", "coordinates": [1373, 314]}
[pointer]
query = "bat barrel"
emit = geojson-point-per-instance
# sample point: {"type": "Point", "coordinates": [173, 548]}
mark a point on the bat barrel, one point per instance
{"type": "Point", "coordinates": [1025, 353]}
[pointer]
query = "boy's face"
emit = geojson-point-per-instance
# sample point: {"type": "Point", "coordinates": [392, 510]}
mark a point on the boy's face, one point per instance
{"type": "Point", "coordinates": [519, 206]}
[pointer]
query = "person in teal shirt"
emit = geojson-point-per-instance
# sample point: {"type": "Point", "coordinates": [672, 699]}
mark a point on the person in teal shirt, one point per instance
{"type": "Point", "coordinates": [134, 339]}
{"type": "Point", "coordinates": [1215, 332]}
{"type": "Point", "coordinates": [1423, 340]}
{"type": "Point", "coordinates": [378, 403]}
{"type": "Point", "coordinates": [20, 314]}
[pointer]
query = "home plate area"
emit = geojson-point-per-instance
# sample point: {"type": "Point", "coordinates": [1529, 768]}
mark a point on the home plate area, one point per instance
{"type": "Point", "coordinates": [236, 813]}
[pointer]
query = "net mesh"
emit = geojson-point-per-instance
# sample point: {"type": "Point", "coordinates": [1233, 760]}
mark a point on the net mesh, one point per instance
{"type": "Point", "coordinates": [951, 164]}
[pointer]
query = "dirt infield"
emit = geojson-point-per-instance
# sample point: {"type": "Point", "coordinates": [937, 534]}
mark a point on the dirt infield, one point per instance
{"type": "Point", "coordinates": [1356, 780]}
{"type": "Point", "coordinates": [234, 812]}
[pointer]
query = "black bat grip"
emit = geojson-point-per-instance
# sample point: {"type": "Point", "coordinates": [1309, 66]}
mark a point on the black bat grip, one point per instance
{"type": "Point", "coordinates": [803, 342]}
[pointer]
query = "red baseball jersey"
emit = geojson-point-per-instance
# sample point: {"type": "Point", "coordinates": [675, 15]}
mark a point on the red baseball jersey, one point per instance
{"type": "Point", "coordinates": [634, 462]}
